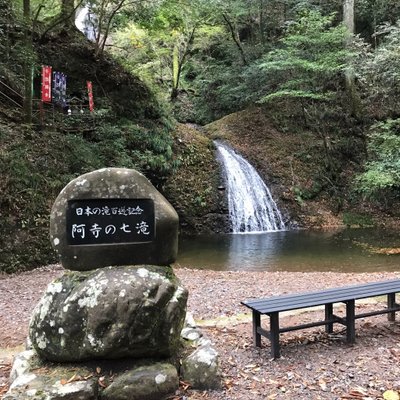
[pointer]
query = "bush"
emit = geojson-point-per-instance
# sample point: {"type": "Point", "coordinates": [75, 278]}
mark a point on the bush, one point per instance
{"type": "Point", "coordinates": [381, 179]}
{"type": "Point", "coordinates": [36, 166]}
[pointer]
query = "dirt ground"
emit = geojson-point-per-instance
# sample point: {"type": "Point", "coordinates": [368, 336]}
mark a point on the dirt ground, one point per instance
{"type": "Point", "coordinates": [313, 365]}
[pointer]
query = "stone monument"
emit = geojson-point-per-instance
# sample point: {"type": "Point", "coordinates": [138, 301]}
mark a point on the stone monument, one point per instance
{"type": "Point", "coordinates": [113, 216]}
{"type": "Point", "coordinates": [119, 299]}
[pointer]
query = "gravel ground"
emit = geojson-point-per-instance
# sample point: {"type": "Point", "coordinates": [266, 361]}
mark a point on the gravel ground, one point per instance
{"type": "Point", "coordinates": [313, 365]}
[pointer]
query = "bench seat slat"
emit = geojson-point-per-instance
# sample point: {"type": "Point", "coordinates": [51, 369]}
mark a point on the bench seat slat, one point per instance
{"type": "Point", "coordinates": [367, 288]}
{"type": "Point", "coordinates": [309, 299]}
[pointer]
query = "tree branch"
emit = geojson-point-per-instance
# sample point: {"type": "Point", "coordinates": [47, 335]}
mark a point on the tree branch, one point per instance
{"type": "Point", "coordinates": [60, 20]}
{"type": "Point", "coordinates": [235, 38]}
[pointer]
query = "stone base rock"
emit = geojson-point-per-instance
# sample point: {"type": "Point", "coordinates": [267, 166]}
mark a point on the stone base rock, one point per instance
{"type": "Point", "coordinates": [201, 367]}
{"type": "Point", "coordinates": [152, 382]}
{"type": "Point", "coordinates": [32, 379]}
{"type": "Point", "coordinates": [110, 313]}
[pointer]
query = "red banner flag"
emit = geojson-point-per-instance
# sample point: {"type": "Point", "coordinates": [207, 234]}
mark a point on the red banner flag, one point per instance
{"type": "Point", "coordinates": [46, 83]}
{"type": "Point", "coordinates": [90, 94]}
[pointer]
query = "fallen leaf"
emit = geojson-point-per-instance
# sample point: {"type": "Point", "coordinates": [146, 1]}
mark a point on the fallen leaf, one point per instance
{"type": "Point", "coordinates": [358, 393]}
{"type": "Point", "coordinates": [73, 378]}
{"type": "Point", "coordinates": [184, 385]}
{"type": "Point", "coordinates": [322, 385]}
{"type": "Point", "coordinates": [391, 395]}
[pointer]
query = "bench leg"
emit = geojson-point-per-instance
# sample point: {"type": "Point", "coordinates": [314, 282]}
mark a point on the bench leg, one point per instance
{"type": "Point", "coordinates": [391, 302]}
{"type": "Point", "coordinates": [274, 334]}
{"type": "Point", "coordinates": [256, 325]}
{"type": "Point", "coordinates": [328, 317]}
{"type": "Point", "coordinates": [350, 321]}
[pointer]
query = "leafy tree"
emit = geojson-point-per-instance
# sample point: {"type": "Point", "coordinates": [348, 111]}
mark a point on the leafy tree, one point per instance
{"type": "Point", "coordinates": [371, 14]}
{"type": "Point", "coordinates": [381, 179]}
{"type": "Point", "coordinates": [308, 62]}
{"type": "Point", "coordinates": [159, 42]}
{"type": "Point", "coordinates": [378, 78]}
{"type": "Point", "coordinates": [105, 12]}
{"type": "Point", "coordinates": [176, 24]}
{"type": "Point", "coordinates": [306, 72]}
{"type": "Point", "coordinates": [378, 73]}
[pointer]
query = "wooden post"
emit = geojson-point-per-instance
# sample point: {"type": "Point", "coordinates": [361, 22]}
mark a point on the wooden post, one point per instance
{"type": "Point", "coordinates": [391, 303]}
{"type": "Point", "coordinates": [328, 318]}
{"type": "Point", "coordinates": [350, 321]}
{"type": "Point", "coordinates": [274, 334]}
{"type": "Point", "coordinates": [256, 325]}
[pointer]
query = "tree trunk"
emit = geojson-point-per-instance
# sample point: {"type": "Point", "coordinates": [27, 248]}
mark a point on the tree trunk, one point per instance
{"type": "Point", "coordinates": [348, 20]}
{"type": "Point", "coordinates": [262, 22]}
{"type": "Point", "coordinates": [348, 15]}
{"type": "Point", "coordinates": [101, 38]}
{"type": "Point", "coordinates": [175, 71]}
{"type": "Point", "coordinates": [179, 56]}
{"type": "Point", "coordinates": [28, 78]}
{"type": "Point", "coordinates": [68, 11]}
{"type": "Point", "coordinates": [236, 39]}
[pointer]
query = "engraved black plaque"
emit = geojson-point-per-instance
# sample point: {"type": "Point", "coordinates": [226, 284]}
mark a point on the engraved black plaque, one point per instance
{"type": "Point", "coordinates": [107, 221]}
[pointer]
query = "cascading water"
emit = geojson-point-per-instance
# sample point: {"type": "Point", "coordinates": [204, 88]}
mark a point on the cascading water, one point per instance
{"type": "Point", "coordinates": [86, 22]}
{"type": "Point", "coordinates": [251, 206]}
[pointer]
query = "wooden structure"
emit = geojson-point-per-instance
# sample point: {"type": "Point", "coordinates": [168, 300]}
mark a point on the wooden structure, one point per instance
{"type": "Point", "coordinates": [348, 295]}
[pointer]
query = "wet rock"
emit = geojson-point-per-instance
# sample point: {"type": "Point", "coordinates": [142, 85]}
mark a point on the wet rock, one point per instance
{"type": "Point", "coordinates": [152, 382]}
{"type": "Point", "coordinates": [110, 313]}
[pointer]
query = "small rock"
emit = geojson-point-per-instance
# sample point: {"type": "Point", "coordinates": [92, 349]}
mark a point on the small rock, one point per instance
{"type": "Point", "coordinates": [189, 321]}
{"type": "Point", "coordinates": [191, 334]}
{"type": "Point", "coordinates": [200, 368]}
{"type": "Point", "coordinates": [22, 364]}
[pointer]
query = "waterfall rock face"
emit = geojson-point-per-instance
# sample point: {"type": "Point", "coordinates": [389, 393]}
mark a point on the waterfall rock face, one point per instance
{"type": "Point", "coordinates": [110, 313]}
{"type": "Point", "coordinates": [251, 206]}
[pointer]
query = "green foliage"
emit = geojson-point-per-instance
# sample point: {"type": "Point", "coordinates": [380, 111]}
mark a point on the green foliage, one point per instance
{"type": "Point", "coordinates": [378, 73]}
{"type": "Point", "coordinates": [309, 62]}
{"type": "Point", "coordinates": [355, 219]}
{"type": "Point", "coordinates": [303, 193]}
{"type": "Point", "coordinates": [382, 175]}
{"type": "Point", "coordinates": [36, 166]}
{"type": "Point", "coordinates": [370, 14]}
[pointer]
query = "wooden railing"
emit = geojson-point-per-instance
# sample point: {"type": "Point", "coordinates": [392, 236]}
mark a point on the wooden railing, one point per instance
{"type": "Point", "coordinates": [6, 92]}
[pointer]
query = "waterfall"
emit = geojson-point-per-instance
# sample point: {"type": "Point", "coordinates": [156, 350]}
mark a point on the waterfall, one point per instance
{"type": "Point", "coordinates": [85, 21]}
{"type": "Point", "coordinates": [251, 206]}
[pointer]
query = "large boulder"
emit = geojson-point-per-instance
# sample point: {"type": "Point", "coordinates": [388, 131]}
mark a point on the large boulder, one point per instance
{"type": "Point", "coordinates": [110, 313]}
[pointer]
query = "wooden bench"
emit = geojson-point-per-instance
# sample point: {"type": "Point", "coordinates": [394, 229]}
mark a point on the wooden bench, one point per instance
{"type": "Point", "coordinates": [272, 306]}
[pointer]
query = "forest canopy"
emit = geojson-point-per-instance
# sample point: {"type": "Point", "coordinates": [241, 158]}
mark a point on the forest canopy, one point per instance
{"type": "Point", "coordinates": [333, 65]}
